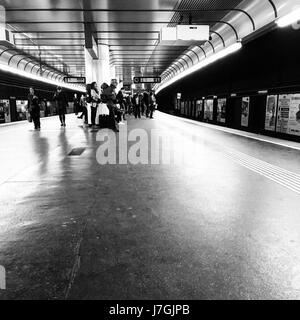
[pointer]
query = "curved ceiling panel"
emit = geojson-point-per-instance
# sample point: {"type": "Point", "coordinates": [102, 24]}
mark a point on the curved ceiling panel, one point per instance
{"type": "Point", "coordinates": [237, 24]}
{"type": "Point", "coordinates": [52, 32]}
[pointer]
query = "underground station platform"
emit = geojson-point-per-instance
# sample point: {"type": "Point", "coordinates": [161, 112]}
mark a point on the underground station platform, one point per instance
{"type": "Point", "coordinates": [149, 151]}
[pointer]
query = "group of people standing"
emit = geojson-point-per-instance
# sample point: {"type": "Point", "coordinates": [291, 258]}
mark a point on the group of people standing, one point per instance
{"type": "Point", "coordinates": [144, 104]}
{"type": "Point", "coordinates": [105, 107]}
{"type": "Point", "coordinates": [102, 106]}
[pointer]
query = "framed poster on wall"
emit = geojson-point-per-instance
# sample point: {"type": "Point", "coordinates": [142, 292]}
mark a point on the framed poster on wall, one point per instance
{"type": "Point", "coordinates": [188, 111]}
{"type": "Point", "coordinates": [185, 107]}
{"type": "Point", "coordinates": [245, 111]}
{"type": "Point", "coordinates": [182, 107]}
{"type": "Point", "coordinates": [5, 110]}
{"type": "Point", "coordinates": [271, 109]}
{"type": "Point", "coordinates": [221, 111]}
{"type": "Point", "coordinates": [21, 109]}
{"type": "Point", "coordinates": [294, 115]}
{"type": "Point", "coordinates": [209, 110]}
{"type": "Point", "coordinates": [2, 114]}
{"type": "Point", "coordinates": [284, 102]}
{"type": "Point", "coordinates": [199, 108]}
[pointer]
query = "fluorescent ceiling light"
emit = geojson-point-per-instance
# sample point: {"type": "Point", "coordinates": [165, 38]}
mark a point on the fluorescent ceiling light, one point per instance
{"type": "Point", "coordinates": [31, 76]}
{"type": "Point", "coordinates": [263, 92]}
{"type": "Point", "coordinates": [209, 60]}
{"type": "Point", "coordinates": [289, 19]}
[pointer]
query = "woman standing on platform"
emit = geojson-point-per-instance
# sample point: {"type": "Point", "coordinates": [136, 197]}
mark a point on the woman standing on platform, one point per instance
{"type": "Point", "coordinates": [95, 97]}
{"type": "Point", "coordinates": [34, 109]}
{"type": "Point", "coordinates": [88, 103]}
{"type": "Point", "coordinates": [153, 104]}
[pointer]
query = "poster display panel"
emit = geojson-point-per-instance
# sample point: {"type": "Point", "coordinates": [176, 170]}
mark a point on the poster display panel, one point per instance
{"type": "Point", "coordinates": [2, 114]}
{"type": "Point", "coordinates": [294, 115]}
{"type": "Point", "coordinates": [221, 111]}
{"type": "Point", "coordinates": [284, 103]}
{"type": "Point", "coordinates": [188, 109]}
{"type": "Point", "coordinates": [199, 108]}
{"type": "Point", "coordinates": [194, 109]}
{"type": "Point", "coordinates": [5, 116]}
{"type": "Point", "coordinates": [182, 107]}
{"type": "Point", "coordinates": [209, 110]}
{"type": "Point", "coordinates": [21, 109]}
{"type": "Point", "coordinates": [271, 108]}
{"type": "Point", "coordinates": [245, 111]}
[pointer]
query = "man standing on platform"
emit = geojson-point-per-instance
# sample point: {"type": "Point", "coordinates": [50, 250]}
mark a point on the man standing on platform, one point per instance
{"type": "Point", "coordinates": [61, 105]}
{"type": "Point", "coordinates": [34, 109]}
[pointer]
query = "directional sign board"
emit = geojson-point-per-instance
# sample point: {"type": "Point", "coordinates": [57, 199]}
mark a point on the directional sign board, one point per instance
{"type": "Point", "coordinates": [78, 80]}
{"type": "Point", "coordinates": [138, 80]}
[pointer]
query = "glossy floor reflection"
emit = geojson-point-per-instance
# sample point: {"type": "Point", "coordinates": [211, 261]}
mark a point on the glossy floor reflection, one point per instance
{"type": "Point", "coordinates": [223, 226]}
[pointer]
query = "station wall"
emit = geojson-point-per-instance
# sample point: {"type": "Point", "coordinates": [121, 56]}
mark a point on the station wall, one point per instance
{"type": "Point", "coordinates": [255, 82]}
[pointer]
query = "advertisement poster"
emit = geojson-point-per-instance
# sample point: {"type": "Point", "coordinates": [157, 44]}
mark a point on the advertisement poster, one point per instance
{"type": "Point", "coordinates": [193, 109]}
{"type": "Point", "coordinates": [182, 107]}
{"type": "Point", "coordinates": [271, 108]}
{"type": "Point", "coordinates": [188, 111]}
{"type": "Point", "coordinates": [221, 116]}
{"type": "Point", "coordinates": [2, 114]}
{"type": "Point", "coordinates": [209, 110]}
{"type": "Point", "coordinates": [245, 111]}
{"type": "Point", "coordinates": [199, 108]}
{"type": "Point", "coordinates": [21, 109]}
{"type": "Point", "coordinates": [284, 103]}
{"type": "Point", "coordinates": [5, 111]}
{"type": "Point", "coordinates": [294, 115]}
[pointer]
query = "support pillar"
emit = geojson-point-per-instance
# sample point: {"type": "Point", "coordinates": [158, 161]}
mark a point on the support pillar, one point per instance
{"type": "Point", "coordinates": [2, 17]}
{"type": "Point", "coordinates": [98, 69]}
{"type": "Point", "coordinates": [112, 72]}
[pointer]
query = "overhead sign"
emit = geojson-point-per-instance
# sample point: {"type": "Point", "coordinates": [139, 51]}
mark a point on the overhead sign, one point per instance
{"type": "Point", "coordinates": [138, 80]}
{"type": "Point", "coordinates": [80, 80]}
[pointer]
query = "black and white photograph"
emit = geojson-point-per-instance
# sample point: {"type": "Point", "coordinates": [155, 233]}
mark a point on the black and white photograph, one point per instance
{"type": "Point", "coordinates": [149, 153]}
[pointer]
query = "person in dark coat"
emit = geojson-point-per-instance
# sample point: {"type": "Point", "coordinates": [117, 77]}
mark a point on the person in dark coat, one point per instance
{"type": "Point", "coordinates": [137, 101]}
{"type": "Point", "coordinates": [34, 109]}
{"type": "Point", "coordinates": [76, 104]}
{"type": "Point", "coordinates": [146, 103]}
{"type": "Point", "coordinates": [61, 105]}
{"type": "Point", "coordinates": [129, 103]}
{"type": "Point", "coordinates": [110, 98]}
{"type": "Point", "coordinates": [122, 102]}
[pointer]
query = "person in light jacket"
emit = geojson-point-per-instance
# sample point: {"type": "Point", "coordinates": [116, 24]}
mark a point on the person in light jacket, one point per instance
{"type": "Point", "coordinates": [95, 99]}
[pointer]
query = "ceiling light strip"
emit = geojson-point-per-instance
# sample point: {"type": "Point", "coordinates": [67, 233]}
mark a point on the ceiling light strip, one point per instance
{"type": "Point", "coordinates": [24, 74]}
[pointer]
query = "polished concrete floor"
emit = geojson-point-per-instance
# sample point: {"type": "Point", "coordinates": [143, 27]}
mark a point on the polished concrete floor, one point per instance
{"type": "Point", "coordinates": [223, 226]}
